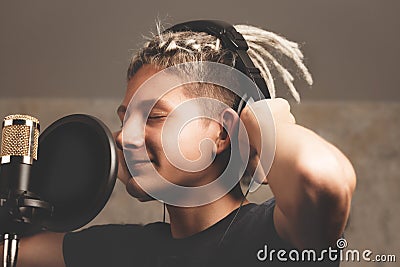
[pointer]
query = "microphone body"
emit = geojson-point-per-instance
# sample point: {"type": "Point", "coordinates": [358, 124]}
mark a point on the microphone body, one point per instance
{"type": "Point", "coordinates": [20, 134]}
{"type": "Point", "coordinates": [19, 206]}
{"type": "Point", "coordinates": [19, 146]}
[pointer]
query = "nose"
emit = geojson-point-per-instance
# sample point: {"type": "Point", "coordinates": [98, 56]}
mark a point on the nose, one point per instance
{"type": "Point", "coordinates": [131, 135]}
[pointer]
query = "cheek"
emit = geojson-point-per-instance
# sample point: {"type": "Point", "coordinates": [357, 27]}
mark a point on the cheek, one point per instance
{"type": "Point", "coordinates": [189, 140]}
{"type": "Point", "coordinates": [172, 143]}
{"type": "Point", "coordinates": [153, 141]}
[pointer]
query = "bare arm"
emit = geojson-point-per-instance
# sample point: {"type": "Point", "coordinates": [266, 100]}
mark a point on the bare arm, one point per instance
{"type": "Point", "coordinates": [312, 181]}
{"type": "Point", "coordinates": [44, 250]}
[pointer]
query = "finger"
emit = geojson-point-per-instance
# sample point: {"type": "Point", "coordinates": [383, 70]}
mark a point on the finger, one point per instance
{"type": "Point", "coordinates": [292, 119]}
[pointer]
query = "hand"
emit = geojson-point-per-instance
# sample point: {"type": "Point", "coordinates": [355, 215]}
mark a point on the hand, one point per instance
{"type": "Point", "coordinates": [260, 120]}
{"type": "Point", "coordinates": [280, 109]}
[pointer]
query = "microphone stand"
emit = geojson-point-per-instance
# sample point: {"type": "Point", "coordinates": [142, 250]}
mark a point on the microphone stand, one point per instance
{"type": "Point", "coordinates": [24, 216]}
{"type": "Point", "coordinates": [10, 250]}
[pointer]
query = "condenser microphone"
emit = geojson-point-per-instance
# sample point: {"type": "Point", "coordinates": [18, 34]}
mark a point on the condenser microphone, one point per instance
{"type": "Point", "coordinates": [19, 146]}
{"type": "Point", "coordinates": [19, 206]}
{"type": "Point", "coordinates": [19, 151]}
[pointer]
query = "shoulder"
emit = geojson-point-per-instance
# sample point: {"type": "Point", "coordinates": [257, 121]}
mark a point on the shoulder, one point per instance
{"type": "Point", "coordinates": [117, 232]}
{"type": "Point", "coordinates": [265, 208]}
{"type": "Point", "coordinates": [255, 223]}
{"type": "Point", "coordinates": [258, 213]}
{"type": "Point", "coordinates": [109, 231]}
{"type": "Point", "coordinates": [106, 245]}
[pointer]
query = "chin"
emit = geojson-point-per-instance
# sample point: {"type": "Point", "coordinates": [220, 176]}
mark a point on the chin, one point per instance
{"type": "Point", "coordinates": [137, 192]}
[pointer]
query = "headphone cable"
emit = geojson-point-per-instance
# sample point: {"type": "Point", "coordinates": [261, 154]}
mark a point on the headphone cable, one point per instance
{"type": "Point", "coordinates": [236, 214]}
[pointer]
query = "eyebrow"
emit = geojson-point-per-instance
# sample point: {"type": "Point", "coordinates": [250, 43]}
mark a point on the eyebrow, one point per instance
{"type": "Point", "coordinates": [159, 104]}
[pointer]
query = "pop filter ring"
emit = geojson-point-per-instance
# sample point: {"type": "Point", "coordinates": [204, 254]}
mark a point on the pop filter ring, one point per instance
{"type": "Point", "coordinates": [66, 217]}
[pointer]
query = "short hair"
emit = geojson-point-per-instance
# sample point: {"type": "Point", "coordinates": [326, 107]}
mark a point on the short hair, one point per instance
{"type": "Point", "coordinates": [267, 50]}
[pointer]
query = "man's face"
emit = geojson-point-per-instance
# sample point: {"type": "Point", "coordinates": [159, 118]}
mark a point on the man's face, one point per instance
{"type": "Point", "coordinates": [145, 139]}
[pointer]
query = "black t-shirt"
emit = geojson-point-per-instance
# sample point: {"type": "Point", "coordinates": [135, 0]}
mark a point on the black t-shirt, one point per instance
{"type": "Point", "coordinates": [250, 241]}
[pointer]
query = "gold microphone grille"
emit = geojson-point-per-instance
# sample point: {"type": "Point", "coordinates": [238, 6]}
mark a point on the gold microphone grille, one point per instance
{"type": "Point", "coordinates": [20, 139]}
{"type": "Point", "coordinates": [21, 117]}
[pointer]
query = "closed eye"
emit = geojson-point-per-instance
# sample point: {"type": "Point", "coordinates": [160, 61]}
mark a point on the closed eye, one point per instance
{"type": "Point", "coordinates": [156, 117]}
{"type": "Point", "coordinates": [157, 114]}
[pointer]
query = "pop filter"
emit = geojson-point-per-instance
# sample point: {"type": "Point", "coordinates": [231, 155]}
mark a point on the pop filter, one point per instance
{"type": "Point", "coordinates": [75, 171]}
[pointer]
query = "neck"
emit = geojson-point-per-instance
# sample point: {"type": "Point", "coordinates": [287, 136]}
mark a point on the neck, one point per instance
{"type": "Point", "coordinates": [188, 221]}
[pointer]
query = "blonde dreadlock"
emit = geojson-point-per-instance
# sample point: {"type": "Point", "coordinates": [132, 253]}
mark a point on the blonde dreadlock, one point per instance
{"type": "Point", "coordinates": [172, 48]}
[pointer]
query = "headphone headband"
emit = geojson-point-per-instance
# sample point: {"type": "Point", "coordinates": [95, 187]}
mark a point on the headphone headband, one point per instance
{"type": "Point", "coordinates": [232, 40]}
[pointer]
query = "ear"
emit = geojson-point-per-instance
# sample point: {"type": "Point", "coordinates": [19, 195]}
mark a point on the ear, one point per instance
{"type": "Point", "coordinates": [228, 128]}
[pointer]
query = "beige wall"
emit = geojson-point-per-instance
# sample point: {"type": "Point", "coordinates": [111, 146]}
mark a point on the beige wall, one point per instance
{"type": "Point", "coordinates": [367, 132]}
{"type": "Point", "coordinates": [81, 49]}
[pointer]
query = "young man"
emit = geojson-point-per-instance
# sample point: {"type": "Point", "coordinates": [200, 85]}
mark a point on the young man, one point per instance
{"type": "Point", "coordinates": [312, 181]}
